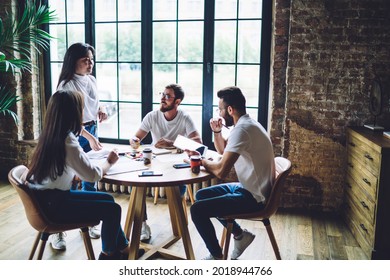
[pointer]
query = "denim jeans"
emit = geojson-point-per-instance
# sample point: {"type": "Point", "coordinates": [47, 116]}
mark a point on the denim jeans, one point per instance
{"type": "Point", "coordinates": [88, 186]}
{"type": "Point", "coordinates": [218, 201]}
{"type": "Point", "coordinates": [76, 206]}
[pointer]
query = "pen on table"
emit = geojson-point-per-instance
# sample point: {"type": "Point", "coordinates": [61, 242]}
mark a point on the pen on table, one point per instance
{"type": "Point", "coordinates": [121, 154]}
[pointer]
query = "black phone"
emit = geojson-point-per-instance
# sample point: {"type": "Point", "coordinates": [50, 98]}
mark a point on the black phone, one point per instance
{"type": "Point", "coordinates": [181, 165]}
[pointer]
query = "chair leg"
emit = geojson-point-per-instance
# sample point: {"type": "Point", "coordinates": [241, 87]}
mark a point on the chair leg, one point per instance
{"type": "Point", "coordinates": [228, 234]}
{"type": "Point", "coordinates": [35, 245]}
{"type": "Point", "coordinates": [190, 193]}
{"type": "Point", "coordinates": [87, 243]}
{"type": "Point", "coordinates": [271, 236]}
{"type": "Point", "coordinates": [44, 237]}
{"type": "Point", "coordinates": [184, 202]}
{"type": "Point", "coordinates": [156, 189]}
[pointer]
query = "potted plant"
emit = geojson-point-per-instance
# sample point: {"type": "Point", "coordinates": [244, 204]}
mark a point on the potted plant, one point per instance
{"type": "Point", "coordinates": [18, 38]}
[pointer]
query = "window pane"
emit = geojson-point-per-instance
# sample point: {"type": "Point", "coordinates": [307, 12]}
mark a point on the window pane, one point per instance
{"type": "Point", "coordinates": [191, 9]}
{"type": "Point", "coordinates": [59, 8]}
{"type": "Point", "coordinates": [249, 34]}
{"type": "Point", "coordinates": [130, 119]}
{"type": "Point", "coordinates": [130, 81]}
{"type": "Point", "coordinates": [250, 9]}
{"type": "Point", "coordinates": [190, 41]}
{"type": "Point", "coordinates": [224, 76]}
{"type": "Point", "coordinates": [105, 10]}
{"type": "Point", "coordinates": [58, 45]}
{"type": "Point", "coordinates": [106, 76]}
{"type": "Point", "coordinates": [253, 112]}
{"type": "Point", "coordinates": [226, 9]}
{"type": "Point", "coordinates": [225, 41]}
{"type": "Point", "coordinates": [55, 74]}
{"type": "Point", "coordinates": [164, 42]}
{"type": "Point", "coordinates": [75, 10]}
{"type": "Point", "coordinates": [105, 42]}
{"type": "Point", "coordinates": [190, 78]}
{"type": "Point", "coordinates": [164, 9]}
{"type": "Point", "coordinates": [248, 82]}
{"type": "Point", "coordinates": [129, 10]}
{"type": "Point", "coordinates": [129, 41]}
{"type": "Point", "coordinates": [163, 75]}
{"type": "Point", "coordinates": [75, 33]}
{"type": "Point", "coordinates": [109, 127]}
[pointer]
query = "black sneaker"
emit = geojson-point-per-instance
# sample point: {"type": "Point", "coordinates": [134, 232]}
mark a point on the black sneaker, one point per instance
{"type": "Point", "coordinates": [141, 252]}
{"type": "Point", "coordinates": [116, 256]}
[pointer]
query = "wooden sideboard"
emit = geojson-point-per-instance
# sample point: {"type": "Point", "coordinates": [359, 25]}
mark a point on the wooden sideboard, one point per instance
{"type": "Point", "coordinates": [367, 193]}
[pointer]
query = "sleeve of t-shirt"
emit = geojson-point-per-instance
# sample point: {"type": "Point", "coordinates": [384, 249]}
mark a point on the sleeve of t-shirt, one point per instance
{"type": "Point", "coordinates": [190, 125]}
{"type": "Point", "coordinates": [147, 122]}
{"type": "Point", "coordinates": [78, 160]}
{"type": "Point", "coordinates": [238, 141]}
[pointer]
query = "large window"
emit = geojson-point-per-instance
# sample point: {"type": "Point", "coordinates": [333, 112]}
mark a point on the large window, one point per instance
{"type": "Point", "coordinates": [141, 46]}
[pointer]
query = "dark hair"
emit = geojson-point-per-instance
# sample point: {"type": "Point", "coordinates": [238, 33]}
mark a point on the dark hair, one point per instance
{"type": "Point", "coordinates": [232, 96]}
{"type": "Point", "coordinates": [73, 53]}
{"type": "Point", "coordinates": [64, 114]}
{"type": "Point", "coordinates": [179, 93]}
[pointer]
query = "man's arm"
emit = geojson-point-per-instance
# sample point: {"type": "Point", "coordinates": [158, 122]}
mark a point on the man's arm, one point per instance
{"type": "Point", "coordinates": [135, 141]}
{"type": "Point", "coordinates": [221, 168]}
{"type": "Point", "coordinates": [195, 136]}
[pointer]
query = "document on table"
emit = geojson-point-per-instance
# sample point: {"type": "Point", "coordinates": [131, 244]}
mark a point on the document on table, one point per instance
{"type": "Point", "coordinates": [123, 165]}
{"type": "Point", "coordinates": [185, 143]}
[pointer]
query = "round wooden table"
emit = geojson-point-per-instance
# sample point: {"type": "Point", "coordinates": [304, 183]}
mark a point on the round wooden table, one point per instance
{"type": "Point", "coordinates": [171, 179]}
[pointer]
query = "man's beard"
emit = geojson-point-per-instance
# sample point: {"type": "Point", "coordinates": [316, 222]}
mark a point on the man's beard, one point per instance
{"type": "Point", "coordinates": [166, 109]}
{"type": "Point", "coordinates": [228, 120]}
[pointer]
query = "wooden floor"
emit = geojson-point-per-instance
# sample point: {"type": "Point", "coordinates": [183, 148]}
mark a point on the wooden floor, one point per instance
{"type": "Point", "coordinates": [300, 236]}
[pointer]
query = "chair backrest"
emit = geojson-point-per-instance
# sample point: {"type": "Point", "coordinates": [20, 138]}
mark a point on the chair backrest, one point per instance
{"type": "Point", "coordinates": [33, 211]}
{"type": "Point", "coordinates": [282, 170]}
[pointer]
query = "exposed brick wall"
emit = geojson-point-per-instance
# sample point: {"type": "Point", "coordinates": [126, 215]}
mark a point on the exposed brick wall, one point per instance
{"type": "Point", "coordinates": [335, 49]}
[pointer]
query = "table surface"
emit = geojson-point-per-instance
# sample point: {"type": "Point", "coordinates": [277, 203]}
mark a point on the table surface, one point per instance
{"type": "Point", "coordinates": [170, 175]}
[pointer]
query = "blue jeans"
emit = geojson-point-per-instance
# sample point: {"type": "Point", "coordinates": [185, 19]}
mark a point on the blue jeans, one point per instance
{"type": "Point", "coordinates": [182, 190]}
{"type": "Point", "coordinates": [88, 186]}
{"type": "Point", "coordinates": [218, 201]}
{"type": "Point", "coordinates": [76, 206]}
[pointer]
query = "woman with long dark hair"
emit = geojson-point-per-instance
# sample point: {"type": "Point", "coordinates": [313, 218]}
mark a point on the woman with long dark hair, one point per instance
{"type": "Point", "coordinates": [58, 159]}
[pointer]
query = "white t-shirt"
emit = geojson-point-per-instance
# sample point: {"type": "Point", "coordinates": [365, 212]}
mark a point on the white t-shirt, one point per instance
{"type": "Point", "coordinates": [87, 85]}
{"type": "Point", "coordinates": [77, 163]}
{"type": "Point", "coordinates": [159, 127]}
{"type": "Point", "coordinates": [255, 166]}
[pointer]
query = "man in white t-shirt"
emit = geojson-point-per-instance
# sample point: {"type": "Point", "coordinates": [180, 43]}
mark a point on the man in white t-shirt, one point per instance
{"type": "Point", "coordinates": [249, 150]}
{"type": "Point", "coordinates": [165, 125]}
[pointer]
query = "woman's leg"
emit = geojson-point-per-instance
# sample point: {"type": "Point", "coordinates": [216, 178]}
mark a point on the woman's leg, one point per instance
{"type": "Point", "coordinates": [83, 206]}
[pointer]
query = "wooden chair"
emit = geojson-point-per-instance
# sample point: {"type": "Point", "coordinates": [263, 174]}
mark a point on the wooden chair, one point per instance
{"type": "Point", "coordinates": [39, 221]}
{"type": "Point", "coordinates": [282, 168]}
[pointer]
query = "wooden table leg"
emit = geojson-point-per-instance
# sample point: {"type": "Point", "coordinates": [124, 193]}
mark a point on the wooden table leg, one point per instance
{"type": "Point", "coordinates": [135, 217]}
{"type": "Point", "coordinates": [178, 219]}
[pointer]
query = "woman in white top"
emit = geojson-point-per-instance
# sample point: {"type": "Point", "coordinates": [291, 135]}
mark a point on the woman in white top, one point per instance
{"type": "Point", "coordinates": [58, 159]}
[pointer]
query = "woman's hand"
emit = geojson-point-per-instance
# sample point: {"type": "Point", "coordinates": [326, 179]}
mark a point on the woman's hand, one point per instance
{"type": "Point", "coordinates": [113, 157]}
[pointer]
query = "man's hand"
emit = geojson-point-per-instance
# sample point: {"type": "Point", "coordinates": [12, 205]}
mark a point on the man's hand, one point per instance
{"type": "Point", "coordinates": [95, 144]}
{"type": "Point", "coordinates": [164, 143]}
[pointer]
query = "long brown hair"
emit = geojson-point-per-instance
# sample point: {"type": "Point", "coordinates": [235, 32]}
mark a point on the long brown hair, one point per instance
{"type": "Point", "coordinates": [73, 53]}
{"type": "Point", "coordinates": [64, 115]}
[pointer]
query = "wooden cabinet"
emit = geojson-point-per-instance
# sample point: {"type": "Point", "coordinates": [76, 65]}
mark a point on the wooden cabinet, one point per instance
{"type": "Point", "coordinates": [367, 193]}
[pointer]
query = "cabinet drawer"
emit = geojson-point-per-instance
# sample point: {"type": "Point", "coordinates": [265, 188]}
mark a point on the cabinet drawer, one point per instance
{"type": "Point", "coordinates": [366, 155]}
{"type": "Point", "coordinates": [358, 196]}
{"type": "Point", "coordinates": [354, 226]}
{"type": "Point", "coordinates": [366, 180]}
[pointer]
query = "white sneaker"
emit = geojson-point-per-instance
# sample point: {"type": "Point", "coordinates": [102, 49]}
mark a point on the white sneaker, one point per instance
{"type": "Point", "coordinates": [241, 244]}
{"type": "Point", "coordinates": [94, 232]}
{"type": "Point", "coordinates": [145, 232]}
{"type": "Point", "coordinates": [57, 241]}
{"type": "Point", "coordinates": [210, 257]}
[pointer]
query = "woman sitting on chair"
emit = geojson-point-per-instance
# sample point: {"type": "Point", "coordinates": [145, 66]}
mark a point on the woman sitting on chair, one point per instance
{"type": "Point", "coordinates": [58, 159]}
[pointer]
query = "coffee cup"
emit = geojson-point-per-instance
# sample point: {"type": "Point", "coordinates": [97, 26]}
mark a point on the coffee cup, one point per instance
{"type": "Point", "coordinates": [195, 162]}
{"type": "Point", "coordinates": [147, 155]}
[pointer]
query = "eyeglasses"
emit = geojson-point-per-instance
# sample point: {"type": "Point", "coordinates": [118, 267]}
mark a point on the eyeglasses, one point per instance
{"type": "Point", "coordinates": [165, 95]}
